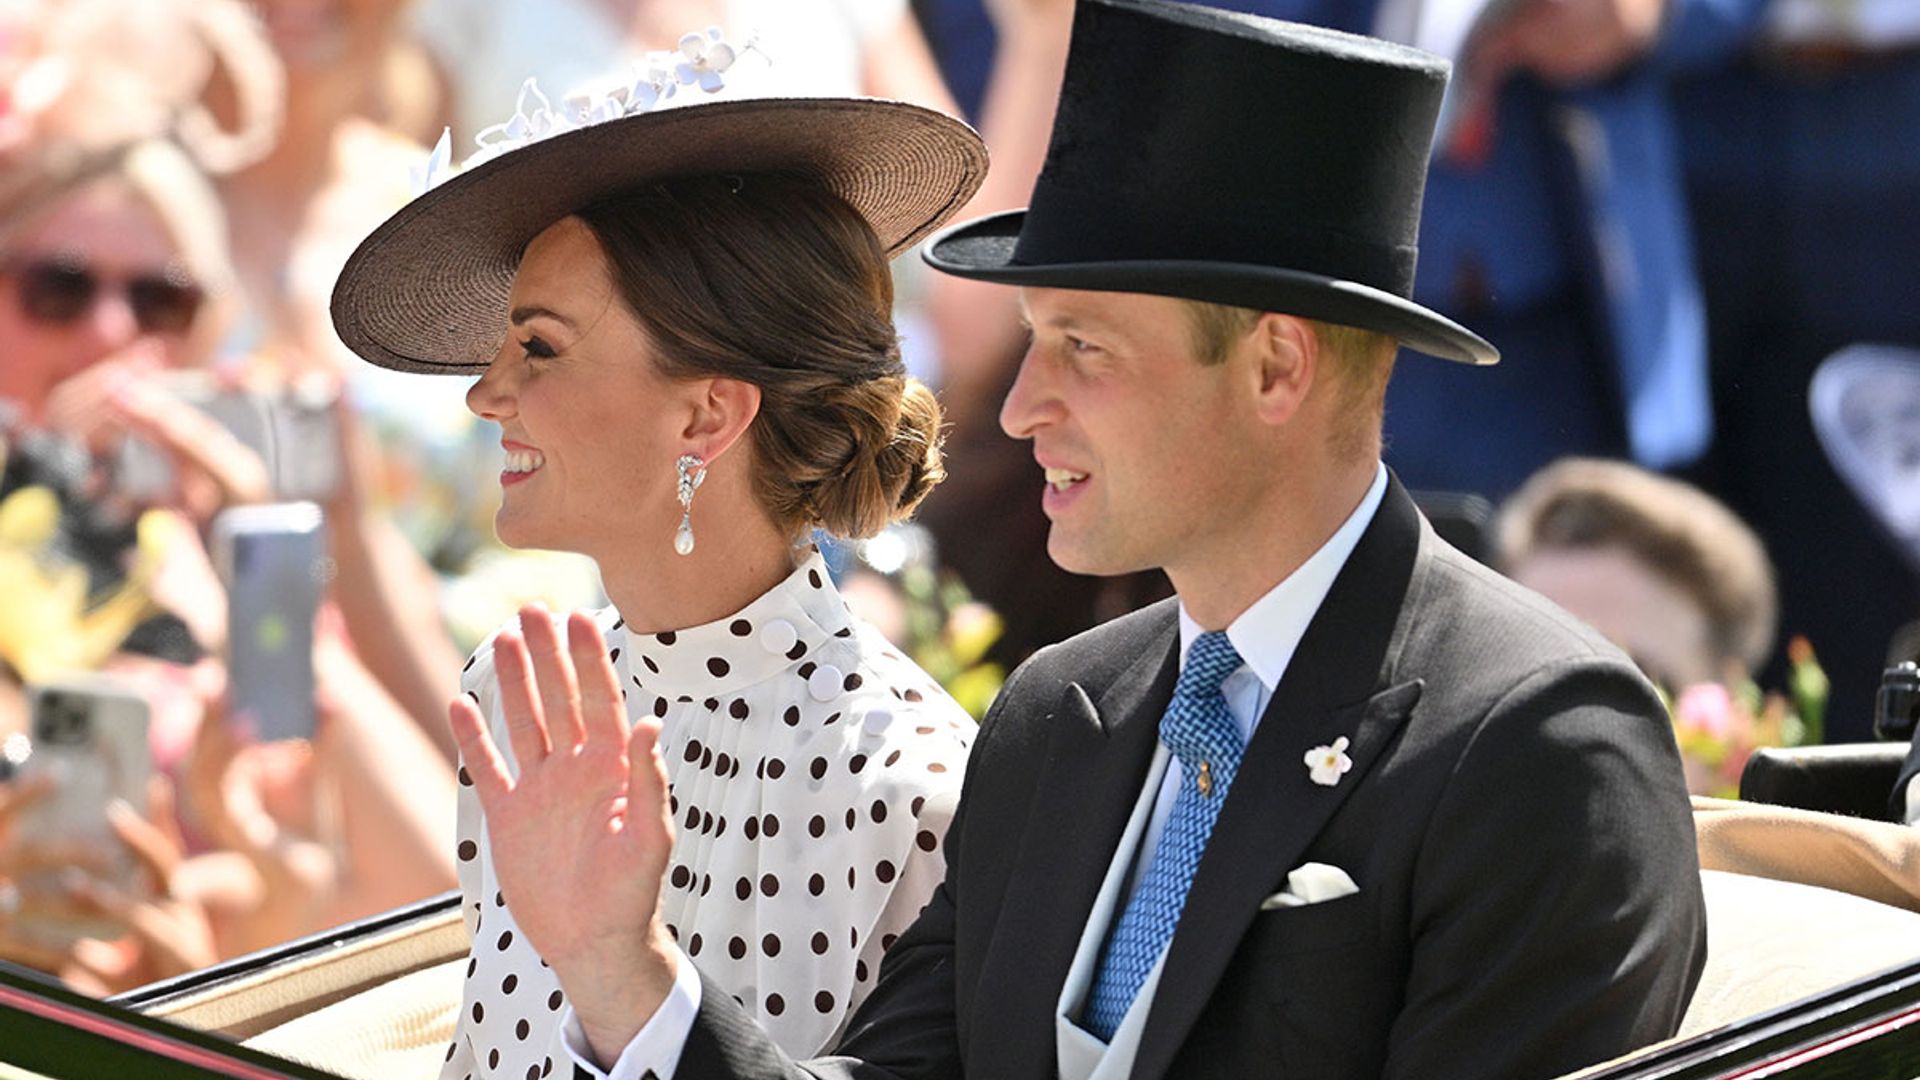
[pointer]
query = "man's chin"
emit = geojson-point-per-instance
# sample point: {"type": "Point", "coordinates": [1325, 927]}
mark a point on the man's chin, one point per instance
{"type": "Point", "coordinates": [1081, 555]}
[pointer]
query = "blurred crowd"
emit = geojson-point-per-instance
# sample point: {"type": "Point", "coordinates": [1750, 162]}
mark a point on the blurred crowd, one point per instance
{"type": "Point", "coordinates": [1666, 219]}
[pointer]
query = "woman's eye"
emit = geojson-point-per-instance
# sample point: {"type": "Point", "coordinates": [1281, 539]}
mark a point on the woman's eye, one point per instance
{"type": "Point", "coordinates": [535, 347]}
{"type": "Point", "coordinates": [1075, 344]}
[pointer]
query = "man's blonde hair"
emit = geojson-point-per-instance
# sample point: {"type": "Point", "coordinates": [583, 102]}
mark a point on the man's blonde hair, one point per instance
{"type": "Point", "coordinates": [1363, 360]}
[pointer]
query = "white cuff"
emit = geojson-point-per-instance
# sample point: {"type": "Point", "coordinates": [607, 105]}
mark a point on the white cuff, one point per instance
{"type": "Point", "coordinates": [655, 1049]}
{"type": "Point", "coordinates": [1913, 801]}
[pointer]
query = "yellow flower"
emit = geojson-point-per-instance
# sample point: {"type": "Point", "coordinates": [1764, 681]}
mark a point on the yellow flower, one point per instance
{"type": "Point", "coordinates": [972, 629]}
{"type": "Point", "coordinates": [28, 518]}
{"type": "Point", "coordinates": [46, 627]}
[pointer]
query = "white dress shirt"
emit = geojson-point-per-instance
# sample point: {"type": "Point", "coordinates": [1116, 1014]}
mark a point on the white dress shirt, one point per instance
{"type": "Point", "coordinates": [1265, 636]}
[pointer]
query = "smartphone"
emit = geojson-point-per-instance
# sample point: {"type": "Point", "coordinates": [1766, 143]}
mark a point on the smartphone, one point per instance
{"type": "Point", "coordinates": [89, 737]}
{"type": "Point", "coordinates": [273, 558]}
{"type": "Point", "coordinates": [306, 460]}
{"type": "Point", "coordinates": [291, 428]}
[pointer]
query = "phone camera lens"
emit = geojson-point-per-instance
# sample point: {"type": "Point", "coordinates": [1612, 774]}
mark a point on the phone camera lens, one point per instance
{"type": "Point", "coordinates": [64, 720]}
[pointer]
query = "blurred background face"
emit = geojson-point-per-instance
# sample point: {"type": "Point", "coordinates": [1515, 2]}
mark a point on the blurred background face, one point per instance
{"type": "Point", "coordinates": [314, 36]}
{"type": "Point", "coordinates": [86, 280]}
{"type": "Point", "coordinates": [1653, 621]}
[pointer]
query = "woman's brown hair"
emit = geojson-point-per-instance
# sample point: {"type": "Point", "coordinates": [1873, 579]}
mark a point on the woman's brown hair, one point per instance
{"type": "Point", "coordinates": [773, 280]}
{"type": "Point", "coordinates": [1678, 532]}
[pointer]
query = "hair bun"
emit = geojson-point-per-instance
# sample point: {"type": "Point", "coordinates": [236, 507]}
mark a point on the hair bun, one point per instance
{"type": "Point", "coordinates": [891, 459]}
{"type": "Point", "coordinates": [916, 448]}
{"type": "Point", "coordinates": [774, 280]}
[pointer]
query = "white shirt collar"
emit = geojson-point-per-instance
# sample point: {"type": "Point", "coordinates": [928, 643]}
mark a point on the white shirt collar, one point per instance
{"type": "Point", "coordinates": [1267, 633]}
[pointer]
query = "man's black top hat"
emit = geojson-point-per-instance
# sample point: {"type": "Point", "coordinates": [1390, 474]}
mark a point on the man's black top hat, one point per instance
{"type": "Point", "coordinates": [1233, 159]}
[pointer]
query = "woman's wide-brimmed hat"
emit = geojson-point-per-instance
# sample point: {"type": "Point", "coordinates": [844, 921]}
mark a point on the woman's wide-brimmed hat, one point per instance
{"type": "Point", "coordinates": [1234, 159]}
{"type": "Point", "coordinates": [427, 291]}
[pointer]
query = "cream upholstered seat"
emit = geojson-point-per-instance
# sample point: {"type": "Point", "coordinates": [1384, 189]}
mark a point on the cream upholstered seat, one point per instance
{"type": "Point", "coordinates": [398, 1029]}
{"type": "Point", "coordinates": [1772, 942]}
{"type": "Point", "coordinates": [1798, 902]}
{"type": "Point", "coordinates": [380, 1006]}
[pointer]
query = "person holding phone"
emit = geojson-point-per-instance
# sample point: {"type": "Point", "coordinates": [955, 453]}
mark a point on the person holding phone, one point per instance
{"type": "Point", "coordinates": [681, 320]}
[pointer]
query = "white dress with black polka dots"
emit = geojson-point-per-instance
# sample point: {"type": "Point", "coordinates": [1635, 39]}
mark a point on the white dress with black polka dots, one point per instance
{"type": "Point", "coordinates": [813, 771]}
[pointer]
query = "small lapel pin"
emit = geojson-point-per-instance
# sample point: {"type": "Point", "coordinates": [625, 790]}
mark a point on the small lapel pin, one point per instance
{"type": "Point", "coordinates": [1327, 764]}
{"type": "Point", "coordinates": [1205, 780]}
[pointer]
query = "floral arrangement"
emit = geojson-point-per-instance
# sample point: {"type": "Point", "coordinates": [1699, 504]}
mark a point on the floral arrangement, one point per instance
{"type": "Point", "coordinates": [1719, 725]}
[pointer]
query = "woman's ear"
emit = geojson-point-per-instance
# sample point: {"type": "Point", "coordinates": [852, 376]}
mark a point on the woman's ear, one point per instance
{"type": "Point", "coordinates": [1285, 355]}
{"type": "Point", "coordinates": [722, 410]}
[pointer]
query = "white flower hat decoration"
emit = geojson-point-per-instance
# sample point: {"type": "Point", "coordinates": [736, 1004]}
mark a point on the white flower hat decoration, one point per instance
{"type": "Point", "coordinates": [708, 57]}
{"type": "Point", "coordinates": [702, 60]}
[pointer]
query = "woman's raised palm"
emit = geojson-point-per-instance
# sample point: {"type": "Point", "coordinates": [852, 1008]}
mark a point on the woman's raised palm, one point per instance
{"type": "Point", "coordinates": [581, 836]}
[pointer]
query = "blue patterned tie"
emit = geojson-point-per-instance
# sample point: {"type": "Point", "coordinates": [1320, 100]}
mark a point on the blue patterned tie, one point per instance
{"type": "Point", "coordinates": [1199, 731]}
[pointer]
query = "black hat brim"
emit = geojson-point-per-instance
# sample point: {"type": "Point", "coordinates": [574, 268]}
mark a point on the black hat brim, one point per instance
{"type": "Point", "coordinates": [983, 249]}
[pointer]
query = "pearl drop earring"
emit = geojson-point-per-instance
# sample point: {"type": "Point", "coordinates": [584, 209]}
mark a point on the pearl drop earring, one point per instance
{"type": "Point", "coordinates": [692, 472]}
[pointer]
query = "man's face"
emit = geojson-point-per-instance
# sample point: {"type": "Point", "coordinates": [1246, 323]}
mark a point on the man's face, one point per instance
{"type": "Point", "coordinates": [1654, 621]}
{"type": "Point", "coordinates": [1151, 456]}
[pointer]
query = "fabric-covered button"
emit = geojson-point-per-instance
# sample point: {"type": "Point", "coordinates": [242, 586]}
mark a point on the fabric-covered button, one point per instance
{"type": "Point", "coordinates": [876, 721]}
{"type": "Point", "coordinates": [824, 683]}
{"type": "Point", "coordinates": [778, 636]}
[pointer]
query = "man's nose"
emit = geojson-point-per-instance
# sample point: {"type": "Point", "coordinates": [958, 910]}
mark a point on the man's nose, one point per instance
{"type": "Point", "coordinates": [1029, 402]}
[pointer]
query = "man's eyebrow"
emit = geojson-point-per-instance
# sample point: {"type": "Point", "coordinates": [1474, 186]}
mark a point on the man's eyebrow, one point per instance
{"type": "Point", "coordinates": [522, 314]}
{"type": "Point", "coordinates": [1069, 321]}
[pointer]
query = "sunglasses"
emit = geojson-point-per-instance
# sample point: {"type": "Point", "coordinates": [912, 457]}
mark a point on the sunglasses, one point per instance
{"type": "Point", "coordinates": [60, 291]}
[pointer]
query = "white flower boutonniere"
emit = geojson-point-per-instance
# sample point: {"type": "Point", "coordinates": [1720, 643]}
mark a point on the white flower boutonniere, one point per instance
{"type": "Point", "coordinates": [1327, 764]}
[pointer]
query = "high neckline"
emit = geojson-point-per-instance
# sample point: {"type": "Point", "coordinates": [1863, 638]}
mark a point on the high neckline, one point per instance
{"type": "Point", "coordinates": [796, 619]}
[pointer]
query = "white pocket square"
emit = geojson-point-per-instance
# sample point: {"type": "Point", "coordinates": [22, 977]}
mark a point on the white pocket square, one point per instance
{"type": "Point", "coordinates": [1311, 883]}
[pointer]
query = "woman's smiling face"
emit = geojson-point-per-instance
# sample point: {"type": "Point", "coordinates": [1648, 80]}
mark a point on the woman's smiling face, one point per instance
{"type": "Point", "coordinates": [590, 426]}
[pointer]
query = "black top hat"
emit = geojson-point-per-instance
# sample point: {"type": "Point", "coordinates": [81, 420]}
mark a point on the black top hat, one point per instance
{"type": "Point", "coordinates": [1234, 159]}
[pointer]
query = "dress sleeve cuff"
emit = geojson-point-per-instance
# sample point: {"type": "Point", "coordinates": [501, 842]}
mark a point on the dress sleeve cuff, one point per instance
{"type": "Point", "coordinates": [655, 1049]}
{"type": "Point", "coordinates": [1913, 801]}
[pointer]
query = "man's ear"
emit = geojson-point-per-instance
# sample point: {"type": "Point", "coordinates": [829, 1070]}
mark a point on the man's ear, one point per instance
{"type": "Point", "coordinates": [722, 410]}
{"type": "Point", "coordinates": [1286, 362]}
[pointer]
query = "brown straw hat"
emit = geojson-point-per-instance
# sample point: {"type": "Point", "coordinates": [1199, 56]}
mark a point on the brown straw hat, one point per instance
{"type": "Point", "coordinates": [427, 291]}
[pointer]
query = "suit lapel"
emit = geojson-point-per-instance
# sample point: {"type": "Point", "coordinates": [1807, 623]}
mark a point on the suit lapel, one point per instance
{"type": "Point", "coordinates": [1339, 683]}
{"type": "Point", "coordinates": [1096, 760]}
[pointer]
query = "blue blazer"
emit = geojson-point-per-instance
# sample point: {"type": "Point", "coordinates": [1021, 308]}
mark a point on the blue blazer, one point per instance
{"type": "Point", "coordinates": [1632, 192]}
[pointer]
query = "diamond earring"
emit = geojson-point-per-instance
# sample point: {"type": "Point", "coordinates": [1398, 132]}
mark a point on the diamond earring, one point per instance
{"type": "Point", "coordinates": [692, 472]}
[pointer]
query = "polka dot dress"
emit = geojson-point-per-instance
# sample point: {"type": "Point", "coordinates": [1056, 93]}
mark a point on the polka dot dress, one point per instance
{"type": "Point", "coordinates": [813, 771]}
